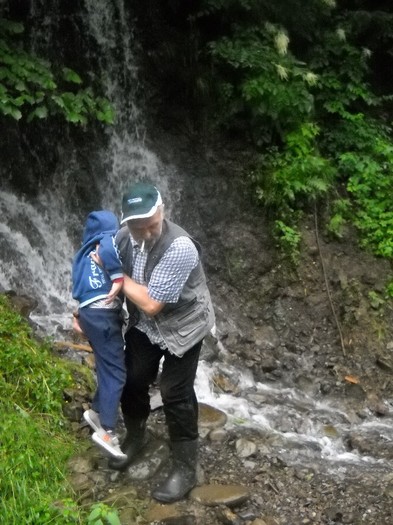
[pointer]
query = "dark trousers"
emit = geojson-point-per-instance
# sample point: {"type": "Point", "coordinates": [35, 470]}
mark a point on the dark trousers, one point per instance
{"type": "Point", "coordinates": [103, 328]}
{"type": "Point", "coordinates": [176, 384]}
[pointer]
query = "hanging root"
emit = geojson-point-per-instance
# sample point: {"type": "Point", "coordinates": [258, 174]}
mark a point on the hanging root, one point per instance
{"type": "Point", "coordinates": [327, 284]}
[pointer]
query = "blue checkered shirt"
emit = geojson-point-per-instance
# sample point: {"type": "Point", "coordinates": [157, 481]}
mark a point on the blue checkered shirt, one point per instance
{"type": "Point", "coordinates": [167, 279]}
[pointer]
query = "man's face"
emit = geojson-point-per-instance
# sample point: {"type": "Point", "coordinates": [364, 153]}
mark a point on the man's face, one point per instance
{"type": "Point", "coordinates": [148, 230]}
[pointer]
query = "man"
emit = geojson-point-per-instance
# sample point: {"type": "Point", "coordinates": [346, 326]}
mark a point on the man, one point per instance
{"type": "Point", "coordinates": [170, 313]}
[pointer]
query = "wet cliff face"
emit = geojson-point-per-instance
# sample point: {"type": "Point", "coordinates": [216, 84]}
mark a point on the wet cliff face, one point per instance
{"type": "Point", "coordinates": [277, 319]}
{"type": "Point", "coordinates": [94, 39]}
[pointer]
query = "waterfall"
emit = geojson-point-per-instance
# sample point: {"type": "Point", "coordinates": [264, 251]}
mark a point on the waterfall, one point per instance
{"type": "Point", "coordinates": [38, 234]}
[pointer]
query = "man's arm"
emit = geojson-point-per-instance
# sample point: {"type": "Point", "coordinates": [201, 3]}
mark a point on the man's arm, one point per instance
{"type": "Point", "coordinates": [138, 294]}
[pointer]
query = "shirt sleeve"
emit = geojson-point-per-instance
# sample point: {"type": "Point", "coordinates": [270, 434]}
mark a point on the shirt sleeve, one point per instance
{"type": "Point", "coordinates": [171, 273]}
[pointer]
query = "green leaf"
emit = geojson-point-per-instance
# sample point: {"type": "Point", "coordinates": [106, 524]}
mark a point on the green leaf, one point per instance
{"type": "Point", "coordinates": [41, 112]}
{"type": "Point", "coordinates": [94, 514]}
{"type": "Point", "coordinates": [71, 76]}
{"type": "Point", "coordinates": [113, 518]}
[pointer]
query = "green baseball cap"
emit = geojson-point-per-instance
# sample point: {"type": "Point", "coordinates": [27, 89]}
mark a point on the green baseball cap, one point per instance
{"type": "Point", "coordinates": [140, 201]}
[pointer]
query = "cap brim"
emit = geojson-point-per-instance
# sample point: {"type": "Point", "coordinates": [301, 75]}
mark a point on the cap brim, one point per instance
{"type": "Point", "coordinates": [150, 213]}
{"type": "Point", "coordinates": [146, 215]}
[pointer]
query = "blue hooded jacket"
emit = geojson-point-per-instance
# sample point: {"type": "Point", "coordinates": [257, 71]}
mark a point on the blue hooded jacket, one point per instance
{"type": "Point", "coordinates": [90, 281]}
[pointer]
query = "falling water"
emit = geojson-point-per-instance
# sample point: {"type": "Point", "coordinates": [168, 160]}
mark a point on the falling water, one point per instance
{"type": "Point", "coordinates": [36, 235]}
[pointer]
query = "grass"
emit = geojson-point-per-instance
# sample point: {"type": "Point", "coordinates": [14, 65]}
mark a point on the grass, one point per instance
{"type": "Point", "coordinates": [35, 442]}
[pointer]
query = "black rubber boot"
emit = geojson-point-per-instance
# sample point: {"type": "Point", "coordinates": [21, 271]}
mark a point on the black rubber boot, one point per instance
{"type": "Point", "coordinates": [132, 444]}
{"type": "Point", "coordinates": [182, 477]}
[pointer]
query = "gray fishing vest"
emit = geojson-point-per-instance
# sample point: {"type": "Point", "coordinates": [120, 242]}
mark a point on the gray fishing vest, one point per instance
{"type": "Point", "coordinates": [181, 324]}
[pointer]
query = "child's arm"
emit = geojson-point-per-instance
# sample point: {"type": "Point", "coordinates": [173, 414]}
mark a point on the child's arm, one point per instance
{"type": "Point", "coordinates": [106, 256]}
{"type": "Point", "coordinates": [117, 285]}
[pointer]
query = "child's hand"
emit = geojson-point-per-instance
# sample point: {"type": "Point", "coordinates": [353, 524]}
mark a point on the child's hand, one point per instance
{"type": "Point", "coordinates": [114, 291]}
{"type": "Point", "coordinates": [95, 256]}
{"type": "Point", "coordinates": [76, 326]}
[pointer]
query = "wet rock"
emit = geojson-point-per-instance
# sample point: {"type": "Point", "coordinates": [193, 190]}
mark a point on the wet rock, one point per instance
{"type": "Point", "coordinates": [82, 464]}
{"type": "Point", "coordinates": [385, 363]}
{"type": "Point", "coordinates": [354, 392]}
{"type": "Point", "coordinates": [210, 417]}
{"type": "Point", "coordinates": [79, 482]}
{"type": "Point", "coordinates": [227, 517]}
{"type": "Point", "coordinates": [153, 456]}
{"type": "Point", "coordinates": [80, 394]}
{"type": "Point", "coordinates": [335, 514]}
{"type": "Point", "coordinates": [268, 520]}
{"type": "Point", "coordinates": [330, 431]}
{"type": "Point", "coordinates": [223, 384]}
{"type": "Point", "coordinates": [218, 435]}
{"type": "Point", "coordinates": [247, 514]}
{"type": "Point", "coordinates": [172, 514]}
{"type": "Point", "coordinates": [266, 338]}
{"type": "Point", "coordinates": [129, 514]}
{"type": "Point", "coordinates": [228, 495]}
{"type": "Point", "coordinates": [210, 350]}
{"type": "Point", "coordinates": [89, 361]}
{"type": "Point", "coordinates": [184, 519]}
{"type": "Point", "coordinates": [122, 496]}
{"type": "Point", "coordinates": [377, 405]}
{"type": "Point", "coordinates": [23, 304]}
{"type": "Point", "coordinates": [73, 410]}
{"type": "Point", "coordinates": [371, 443]}
{"type": "Point", "coordinates": [269, 363]}
{"type": "Point", "coordinates": [245, 448]}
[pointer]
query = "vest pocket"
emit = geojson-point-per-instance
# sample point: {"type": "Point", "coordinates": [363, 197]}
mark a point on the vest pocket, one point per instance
{"type": "Point", "coordinates": [180, 332]}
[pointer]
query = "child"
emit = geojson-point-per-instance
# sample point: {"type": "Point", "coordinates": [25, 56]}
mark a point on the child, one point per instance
{"type": "Point", "coordinates": [99, 318]}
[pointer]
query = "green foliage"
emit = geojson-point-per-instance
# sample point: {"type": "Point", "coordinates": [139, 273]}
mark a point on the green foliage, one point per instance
{"type": "Point", "coordinates": [101, 514]}
{"type": "Point", "coordinates": [340, 214]}
{"type": "Point", "coordinates": [289, 240]}
{"type": "Point", "coordinates": [32, 462]}
{"type": "Point", "coordinates": [368, 172]}
{"type": "Point", "coordinates": [376, 300]}
{"type": "Point", "coordinates": [34, 446]}
{"type": "Point", "coordinates": [35, 443]}
{"type": "Point", "coordinates": [29, 375]}
{"type": "Point", "coordinates": [389, 289]}
{"type": "Point", "coordinates": [29, 88]}
{"type": "Point", "coordinates": [267, 83]}
{"type": "Point", "coordinates": [295, 176]}
{"type": "Point", "coordinates": [302, 88]}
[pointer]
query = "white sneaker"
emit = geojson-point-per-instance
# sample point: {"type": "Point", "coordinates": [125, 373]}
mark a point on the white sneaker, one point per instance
{"type": "Point", "coordinates": [108, 440]}
{"type": "Point", "coordinates": [92, 417]}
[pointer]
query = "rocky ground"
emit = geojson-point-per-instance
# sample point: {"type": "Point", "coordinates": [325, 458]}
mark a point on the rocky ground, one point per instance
{"type": "Point", "coordinates": [324, 329]}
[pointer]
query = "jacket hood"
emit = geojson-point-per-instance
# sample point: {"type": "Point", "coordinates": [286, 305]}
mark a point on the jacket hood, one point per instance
{"type": "Point", "coordinates": [99, 223]}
